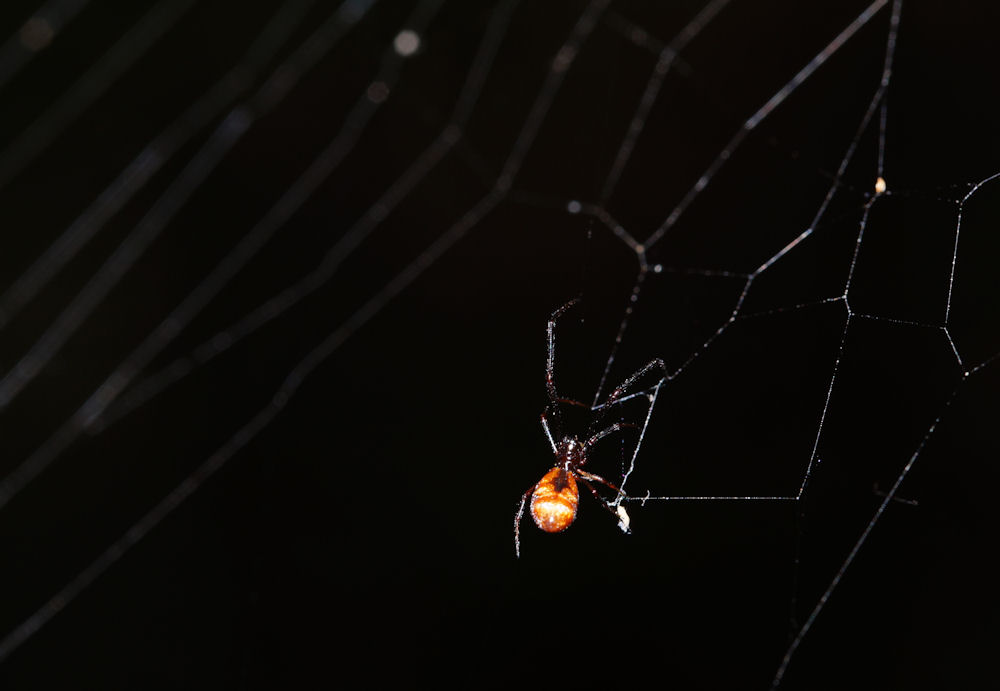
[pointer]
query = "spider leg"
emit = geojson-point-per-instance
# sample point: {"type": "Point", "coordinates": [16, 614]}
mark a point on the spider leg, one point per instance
{"type": "Point", "coordinates": [614, 508]}
{"type": "Point", "coordinates": [597, 478]}
{"type": "Point", "coordinates": [619, 392]}
{"type": "Point", "coordinates": [585, 478]}
{"type": "Point", "coordinates": [605, 432]}
{"type": "Point", "coordinates": [550, 362]}
{"type": "Point", "coordinates": [517, 521]}
{"type": "Point", "coordinates": [645, 393]}
{"type": "Point", "coordinates": [548, 434]}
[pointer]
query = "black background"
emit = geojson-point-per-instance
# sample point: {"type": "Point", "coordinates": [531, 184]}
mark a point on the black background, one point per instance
{"type": "Point", "coordinates": [363, 536]}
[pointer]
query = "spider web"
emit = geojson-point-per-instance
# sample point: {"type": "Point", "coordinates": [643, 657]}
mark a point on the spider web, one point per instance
{"type": "Point", "coordinates": [273, 303]}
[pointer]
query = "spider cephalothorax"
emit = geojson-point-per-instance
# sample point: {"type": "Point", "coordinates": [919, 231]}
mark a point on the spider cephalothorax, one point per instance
{"type": "Point", "coordinates": [570, 453]}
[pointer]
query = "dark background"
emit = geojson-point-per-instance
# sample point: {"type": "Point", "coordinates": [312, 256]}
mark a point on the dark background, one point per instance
{"type": "Point", "coordinates": [363, 534]}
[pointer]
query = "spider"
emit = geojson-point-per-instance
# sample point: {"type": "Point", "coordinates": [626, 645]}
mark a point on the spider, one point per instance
{"type": "Point", "coordinates": [555, 498]}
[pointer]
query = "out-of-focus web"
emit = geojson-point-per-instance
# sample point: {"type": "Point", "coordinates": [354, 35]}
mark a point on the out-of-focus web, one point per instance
{"type": "Point", "coordinates": [452, 132]}
{"type": "Point", "coordinates": [35, 35]}
{"type": "Point", "coordinates": [90, 86]}
{"type": "Point", "coordinates": [150, 160]}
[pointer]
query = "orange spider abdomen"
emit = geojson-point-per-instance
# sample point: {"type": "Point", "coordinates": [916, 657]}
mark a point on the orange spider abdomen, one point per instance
{"type": "Point", "coordinates": [554, 501]}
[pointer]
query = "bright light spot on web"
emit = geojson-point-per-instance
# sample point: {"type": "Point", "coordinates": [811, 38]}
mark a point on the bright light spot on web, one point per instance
{"type": "Point", "coordinates": [573, 207]}
{"type": "Point", "coordinates": [36, 34]}
{"type": "Point", "coordinates": [880, 186]}
{"type": "Point", "coordinates": [378, 92]}
{"type": "Point", "coordinates": [406, 43]}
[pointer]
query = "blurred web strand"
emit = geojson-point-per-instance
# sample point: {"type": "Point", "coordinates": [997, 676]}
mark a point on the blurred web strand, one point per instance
{"type": "Point", "coordinates": [90, 86]}
{"type": "Point", "coordinates": [35, 35]}
{"type": "Point", "coordinates": [281, 302]}
{"type": "Point", "coordinates": [210, 286]}
{"type": "Point", "coordinates": [234, 261]}
{"type": "Point", "coordinates": [151, 159]}
{"type": "Point", "coordinates": [219, 143]}
{"type": "Point", "coordinates": [498, 24]}
{"type": "Point", "coordinates": [95, 420]}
